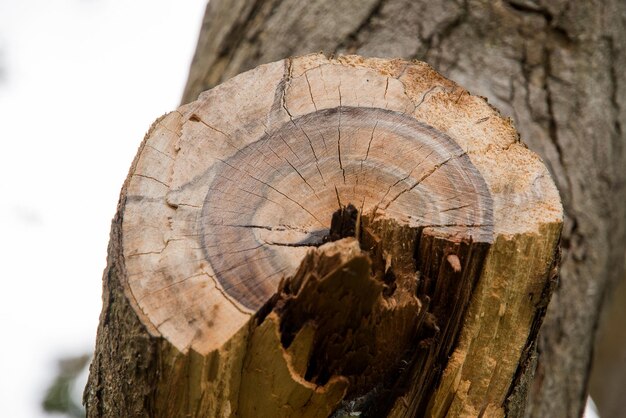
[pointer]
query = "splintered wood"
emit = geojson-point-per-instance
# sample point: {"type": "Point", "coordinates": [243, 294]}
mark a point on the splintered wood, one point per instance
{"type": "Point", "coordinates": [324, 237]}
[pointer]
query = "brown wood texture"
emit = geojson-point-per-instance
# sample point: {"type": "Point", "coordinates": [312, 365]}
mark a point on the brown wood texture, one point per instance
{"type": "Point", "coordinates": [554, 67]}
{"type": "Point", "coordinates": [276, 192]}
{"type": "Point", "coordinates": [320, 237]}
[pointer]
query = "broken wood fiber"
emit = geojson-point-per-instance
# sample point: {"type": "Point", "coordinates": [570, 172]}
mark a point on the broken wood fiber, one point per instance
{"type": "Point", "coordinates": [323, 237]}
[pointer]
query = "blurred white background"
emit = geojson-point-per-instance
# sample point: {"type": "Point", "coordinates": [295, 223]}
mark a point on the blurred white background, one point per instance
{"type": "Point", "coordinates": [80, 83]}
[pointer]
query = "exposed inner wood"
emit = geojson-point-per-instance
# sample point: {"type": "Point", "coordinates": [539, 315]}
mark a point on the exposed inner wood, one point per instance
{"type": "Point", "coordinates": [334, 233]}
{"type": "Point", "coordinates": [345, 223]}
{"type": "Point", "coordinates": [383, 317]}
{"type": "Point", "coordinates": [276, 195]}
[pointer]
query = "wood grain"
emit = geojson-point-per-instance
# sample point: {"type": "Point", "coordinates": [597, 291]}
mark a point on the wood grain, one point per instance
{"type": "Point", "coordinates": [276, 196]}
{"type": "Point", "coordinates": [230, 191]}
{"type": "Point", "coordinates": [555, 68]}
{"type": "Point", "coordinates": [220, 249]}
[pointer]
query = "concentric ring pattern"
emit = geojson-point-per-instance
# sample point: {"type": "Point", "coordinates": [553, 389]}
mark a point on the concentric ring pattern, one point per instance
{"type": "Point", "coordinates": [277, 194]}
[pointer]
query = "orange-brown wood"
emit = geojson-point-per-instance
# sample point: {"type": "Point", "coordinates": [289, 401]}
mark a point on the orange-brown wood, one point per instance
{"type": "Point", "coordinates": [255, 297]}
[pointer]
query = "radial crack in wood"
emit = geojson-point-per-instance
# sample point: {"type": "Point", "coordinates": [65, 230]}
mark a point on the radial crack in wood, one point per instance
{"type": "Point", "coordinates": [321, 237]}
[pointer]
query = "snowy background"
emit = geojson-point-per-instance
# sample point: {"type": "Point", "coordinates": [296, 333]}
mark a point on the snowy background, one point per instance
{"type": "Point", "coordinates": [80, 83]}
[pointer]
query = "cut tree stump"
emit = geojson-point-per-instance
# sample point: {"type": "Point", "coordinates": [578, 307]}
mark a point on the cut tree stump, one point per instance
{"type": "Point", "coordinates": [327, 237]}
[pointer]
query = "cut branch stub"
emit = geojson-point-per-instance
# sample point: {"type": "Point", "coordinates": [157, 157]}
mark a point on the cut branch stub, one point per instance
{"type": "Point", "coordinates": [280, 191]}
{"type": "Point", "coordinates": [239, 204]}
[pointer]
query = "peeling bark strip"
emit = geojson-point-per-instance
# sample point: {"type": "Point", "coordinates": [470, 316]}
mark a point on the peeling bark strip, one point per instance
{"type": "Point", "coordinates": [319, 237]}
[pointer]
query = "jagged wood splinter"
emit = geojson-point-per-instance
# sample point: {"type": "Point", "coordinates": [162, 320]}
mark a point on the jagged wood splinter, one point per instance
{"type": "Point", "coordinates": [318, 237]}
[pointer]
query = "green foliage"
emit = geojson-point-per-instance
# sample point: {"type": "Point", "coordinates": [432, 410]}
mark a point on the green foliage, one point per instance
{"type": "Point", "coordinates": [58, 397]}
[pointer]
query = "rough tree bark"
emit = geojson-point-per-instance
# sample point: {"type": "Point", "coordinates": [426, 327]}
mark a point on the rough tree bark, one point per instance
{"type": "Point", "coordinates": [318, 237]}
{"type": "Point", "coordinates": [555, 67]}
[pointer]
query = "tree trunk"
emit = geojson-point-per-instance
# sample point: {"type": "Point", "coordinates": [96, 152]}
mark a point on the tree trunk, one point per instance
{"type": "Point", "coordinates": [326, 237]}
{"type": "Point", "coordinates": [555, 67]}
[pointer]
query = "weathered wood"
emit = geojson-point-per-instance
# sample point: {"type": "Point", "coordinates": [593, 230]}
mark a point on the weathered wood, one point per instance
{"type": "Point", "coordinates": [323, 236]}
{"type": "Point", "coordinates": [554, 67]}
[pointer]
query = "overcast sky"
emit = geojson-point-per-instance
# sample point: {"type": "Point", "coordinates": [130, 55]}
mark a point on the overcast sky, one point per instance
{"type": "Point", "coordinates": [80, 83]}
